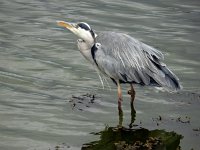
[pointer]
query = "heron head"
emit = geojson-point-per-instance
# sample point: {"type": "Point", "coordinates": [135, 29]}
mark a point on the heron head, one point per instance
{"type": "Point", "coordinates": [82, 30]}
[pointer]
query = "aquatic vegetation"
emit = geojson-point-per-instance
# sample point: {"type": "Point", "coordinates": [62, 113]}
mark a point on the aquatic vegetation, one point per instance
{"type": "Point", "coordinates": [114, 138]}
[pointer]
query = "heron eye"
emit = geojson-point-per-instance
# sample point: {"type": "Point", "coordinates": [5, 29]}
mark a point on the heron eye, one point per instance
{"type": "Point", "coordinates": [84, 26]}
{"type": "Point", "coordinates": [98, 44]}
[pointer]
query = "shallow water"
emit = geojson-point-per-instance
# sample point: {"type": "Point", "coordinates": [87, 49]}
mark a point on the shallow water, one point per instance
{"type": "Point", "coordinates": [41, 68]}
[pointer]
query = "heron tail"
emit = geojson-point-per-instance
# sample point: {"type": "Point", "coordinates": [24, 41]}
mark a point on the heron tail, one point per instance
{"type": "Point", "coordinates": [170, 80]}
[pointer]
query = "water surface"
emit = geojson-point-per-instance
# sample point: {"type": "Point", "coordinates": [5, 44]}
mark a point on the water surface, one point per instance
{"type": "Point", "coordinates": [41, 68]}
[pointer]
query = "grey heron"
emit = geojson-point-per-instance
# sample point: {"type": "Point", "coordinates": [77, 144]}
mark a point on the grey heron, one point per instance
{"type": "Point", "coordinates": [123, 58]}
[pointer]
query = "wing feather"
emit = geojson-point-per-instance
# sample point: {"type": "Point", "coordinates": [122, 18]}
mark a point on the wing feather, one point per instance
{"type": "Point", "coordinates": [124, 58]}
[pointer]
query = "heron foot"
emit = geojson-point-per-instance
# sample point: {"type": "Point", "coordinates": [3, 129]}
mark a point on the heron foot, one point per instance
{"type": "Point", "coordinates": [132, 94]}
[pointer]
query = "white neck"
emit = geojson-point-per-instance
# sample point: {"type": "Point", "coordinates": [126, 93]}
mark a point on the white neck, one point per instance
{"type": "Point", "coordinates": [85, 49]}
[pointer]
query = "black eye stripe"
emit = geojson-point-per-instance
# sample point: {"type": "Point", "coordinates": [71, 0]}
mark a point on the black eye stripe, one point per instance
{"type": "Point", "coordinates": [84, 26]}
{"type": "Point", "coordinates": [92, 33]}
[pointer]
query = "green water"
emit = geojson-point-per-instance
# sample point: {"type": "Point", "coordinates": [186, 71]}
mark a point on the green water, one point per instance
{"type": "Point", "coordinates": [41, 68]}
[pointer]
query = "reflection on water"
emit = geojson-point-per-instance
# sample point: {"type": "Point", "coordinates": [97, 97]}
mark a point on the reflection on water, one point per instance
{"type": "Point", "coordinates": [122, 138]}
{"type": "Point", "coordinates": [114, 138]}
{"type": "Point", "coordinates": [133, 113]}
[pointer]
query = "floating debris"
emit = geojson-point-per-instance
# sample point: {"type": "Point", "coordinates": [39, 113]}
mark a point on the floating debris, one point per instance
{"type": "Point", "coordinates": [150, 144]}
{"type": "Point", "coordinates": [157, 120]}
{"type": "Point", "coordinates": [83, 101]}
{"type": "Point", "coordinates": [183, 120]}
{"type": "Point", "coordinates": [62, 146]}
{"type": "Point", "coordinates": [196, 129]}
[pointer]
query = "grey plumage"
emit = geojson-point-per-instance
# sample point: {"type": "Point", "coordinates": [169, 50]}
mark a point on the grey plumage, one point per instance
{"type": "Point", "coordinates": [128, 60]}
{"type": "Point", "coordinates": [123, 58]}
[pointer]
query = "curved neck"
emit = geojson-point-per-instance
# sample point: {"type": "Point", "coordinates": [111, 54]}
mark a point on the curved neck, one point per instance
{"type": "Point", "coordinates": [85, 50]}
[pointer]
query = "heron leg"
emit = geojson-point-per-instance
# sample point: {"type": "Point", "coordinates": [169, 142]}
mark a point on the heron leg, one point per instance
{"type": "Point", "coordinates": [132, 93]}
{"type": "Point", "coordinates": [133, 115]}
{"type": "Point", "coordinates": [120, 117]}
{"type": "Point", "coordinates": [119, 91]}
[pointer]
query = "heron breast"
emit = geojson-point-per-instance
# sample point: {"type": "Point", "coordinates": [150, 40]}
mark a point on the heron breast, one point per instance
{"type": "Point", "coordinates": [85, 50]}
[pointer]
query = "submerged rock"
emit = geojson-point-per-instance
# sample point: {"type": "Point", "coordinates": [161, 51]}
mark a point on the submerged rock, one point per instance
{"type": "Point", "coordinates": [113, 138]}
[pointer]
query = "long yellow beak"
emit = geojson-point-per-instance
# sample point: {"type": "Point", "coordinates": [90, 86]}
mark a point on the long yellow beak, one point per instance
{"type": "Point", "coordinates": [82, 34]}
{"type": "Point", "coordinates": [65, 24]}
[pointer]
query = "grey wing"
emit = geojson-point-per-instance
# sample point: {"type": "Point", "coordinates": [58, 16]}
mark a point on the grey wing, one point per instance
{"type": "Point", "coordinates": [126, 59]}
